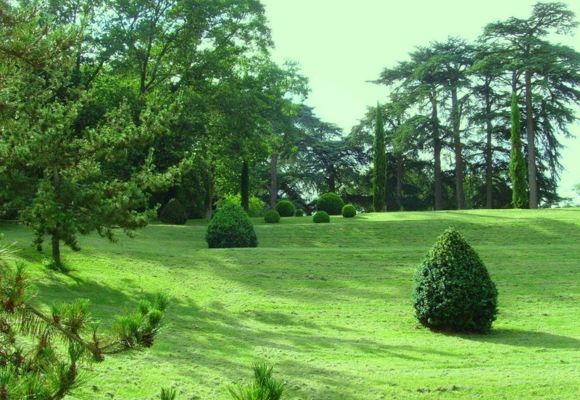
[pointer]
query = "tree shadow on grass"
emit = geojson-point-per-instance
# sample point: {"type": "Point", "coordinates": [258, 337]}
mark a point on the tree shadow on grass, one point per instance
{"type": "Point", "coordinates": [523, 338]}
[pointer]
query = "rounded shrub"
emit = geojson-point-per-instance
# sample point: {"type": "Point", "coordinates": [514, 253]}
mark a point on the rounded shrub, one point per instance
{"type": "Point", "coordinates": [348, 211]}
{"type": "Point", "coordinates": [453, 289]}
{"type": "Point", "coordinates": [321, 217]}
{"type": "Point", "coordinates": [272, 217]}
{"type": "Point", "coordinates": [330, 203]}
{"type": "Point", "coordinates": [299, 212]}
{"type": "Point", "coordinates": [285, 208]}
{"type": "Point", "coordinates": [173, 213]}
{"type": "Point", "coordinates": [231, 227]}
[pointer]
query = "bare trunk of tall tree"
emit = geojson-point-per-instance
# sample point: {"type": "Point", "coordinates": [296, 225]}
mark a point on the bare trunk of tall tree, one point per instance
{"type": "Point", "coordinates": [331, 181]}
{"type": "Point", "coordinates": [208, 182]}
{"type": "Point", "coordinates": [532, 171]}
{"type": "Point", "coordinates": [56, 248]}
{"type": "Point", "coordinates": [488, 151]}
{"type": "Point", "coordinates": [436, 154]}
{"type": "Point", "coordinates": [455, 120]}
{"type": "Point", "coordinates": [274, 180]}
{"type": "Point", "coordinates": [400, 182]}
{"type": "Point", "coordinates": [245, 186]}
{"type": "Point", "coordinates": [55, 236]}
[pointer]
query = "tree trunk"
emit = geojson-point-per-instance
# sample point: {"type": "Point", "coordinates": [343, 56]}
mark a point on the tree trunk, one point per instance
{"type": "Point", "coordinates": [245, 186]}
{"type": "Point", "coordinates": [532, 171]}
{"type": "Point", "coordinates": [208, 178]}
{"type": "Point", "coordinates": [274, 180]}
{"type": "Point", "coordinates": [436, 154]}
{"type": "Point", "coordinates": [56, 249]}
{"type": "Point", "coordinates": [331, 181]}
{"type": "Point", "coordinates": [400, 182]}
{"type": "Point", "coordinates": [56, 183]}
{"type": "Point", "coordinates": [488, 150]}
{"type": "Point", "coordinates": [459, 190]}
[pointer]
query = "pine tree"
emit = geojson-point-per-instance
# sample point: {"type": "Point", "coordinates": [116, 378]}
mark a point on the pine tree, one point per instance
{"type": "Point", "coordinates": [42, 352]}
{"type": "Point", "coordinates": [380, 164]}
{"type": "Point", "coordinates": [517, 163]}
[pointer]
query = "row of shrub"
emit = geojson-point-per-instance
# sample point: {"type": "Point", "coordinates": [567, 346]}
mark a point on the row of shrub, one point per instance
{"type": "Point", "coordinates": [348, 211]}
{"type": "Point", "coordinates": [174, 212]}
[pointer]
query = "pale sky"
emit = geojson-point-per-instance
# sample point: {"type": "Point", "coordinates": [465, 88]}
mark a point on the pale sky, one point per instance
{"type": "Point", "coordinates": [341, 44]}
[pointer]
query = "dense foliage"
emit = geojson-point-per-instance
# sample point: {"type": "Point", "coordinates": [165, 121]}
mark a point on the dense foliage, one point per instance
{"type": "Point", "coordinates": [173, 213]}
{"type": "Point", "coordinates": [231, 227]}
{"type": "Point", "coordinates": [320, 217]}
{"type": "Point", "coordinates": [454, 291]}
{"type": "Point", "coordinates": [331, 203]}
{"type": "Point", "coordinates": [299, 212]}
{"type": "Point", "coordinates": [272, 217]}
{"type": "Point", "coordinates": [256, 207]}
{"type": "Point", "coordinates": [348, 211]}
{"type": "Point", "coordinates": [286, 208]}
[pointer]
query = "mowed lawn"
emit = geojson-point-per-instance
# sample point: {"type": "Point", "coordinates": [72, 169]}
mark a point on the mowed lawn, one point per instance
{"type": "Point", "coordinates": [330, 307]}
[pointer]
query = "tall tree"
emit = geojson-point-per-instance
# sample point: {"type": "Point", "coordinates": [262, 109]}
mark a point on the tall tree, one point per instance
{"type": "Point", "coordinates": [517, 161]}
{"type": "Point", "coordinates": [65, 167]}
{"type": "Point", "coordinates": [379, 163]}
{"type": "Point", "coordinates": [419, 83]}
{"type": "Point", "coordinates": [449, 63]}
{"type": "Point", "coordinates": [524, 39]}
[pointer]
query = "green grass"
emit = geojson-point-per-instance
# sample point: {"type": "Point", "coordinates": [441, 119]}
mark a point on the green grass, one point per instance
{"type": "Point", "coordinates": [330, 306]}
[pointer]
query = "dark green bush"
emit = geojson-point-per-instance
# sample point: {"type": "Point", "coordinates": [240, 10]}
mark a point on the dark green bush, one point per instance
{"type": "Point", "coordinates": [231, 227]}
{"type": "Point", "coordinates": [299, 212]}
{"type": "Point", "coordinates": [272, 217]}
{"type": "Point", "coordinates": [453, 289]}
{"type": "Point", "coordinates": [285, 208]}
{"type": "Point", "coordinates": [348, 211]}
{"type": "Point", "coordinates": [173, 213]}
{"type": "Point", "coordinates": [331, 203]}
{"type": "Point", "coordinates": [321, 217]}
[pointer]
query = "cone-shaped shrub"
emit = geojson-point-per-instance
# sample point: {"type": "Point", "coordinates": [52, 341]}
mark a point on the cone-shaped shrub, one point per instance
{"type": "Point", "coordinates": [331, 203]}
{"type": "Point", "coordinates": [285, 208]}
{"type": "Point", "coordinates": [320, 217]}
{"type": "Point", "coordinates": [173, 213]}
{"type": "Point", "coordinates": [272, 217]}
{"type": "Point", "coordinates": [231, 227]}
{"type": "Point", "coordinates": [348, 211]}
{"type": "Point", "coordinates": [453, 289]}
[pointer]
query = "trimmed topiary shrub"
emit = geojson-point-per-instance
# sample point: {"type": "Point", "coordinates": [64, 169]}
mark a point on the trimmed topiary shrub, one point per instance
{"type": "Point", "coordinates": [231, 227]}
{"type": "Point", "coordinates": [321, 217]}
{"type": "Point", "coordinates": [285, 208]}
{"type": "Point", "coordinates": [331, 203]}
{"type": "Point", "coordinates": [348, 211]}
{"type": "Point", "coordinates": [173, 213]}
{"type": "Point", "coordinates": [272, 217]}
{"type": "Point", "coordinates": [299, 212]}
{"type": "Point", "coordinates": [453, 289]}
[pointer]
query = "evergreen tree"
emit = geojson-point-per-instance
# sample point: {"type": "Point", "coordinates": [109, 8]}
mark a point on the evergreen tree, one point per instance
{"type": "Point", "coordinates": [517, 163]}
{"type": "Point", "coordinates": [380, 164]}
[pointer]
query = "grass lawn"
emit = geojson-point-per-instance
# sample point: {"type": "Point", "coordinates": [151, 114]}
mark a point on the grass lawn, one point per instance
{"type": "Point", "coordinates": [330, 306]}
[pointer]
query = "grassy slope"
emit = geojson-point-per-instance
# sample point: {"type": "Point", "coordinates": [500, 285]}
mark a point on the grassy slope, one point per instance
{"type": "Point", "coordinates": [330, 306]}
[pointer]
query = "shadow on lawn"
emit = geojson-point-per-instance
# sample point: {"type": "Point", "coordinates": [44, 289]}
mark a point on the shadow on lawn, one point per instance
{"type": "Point", "coordinates": [523, 338]}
